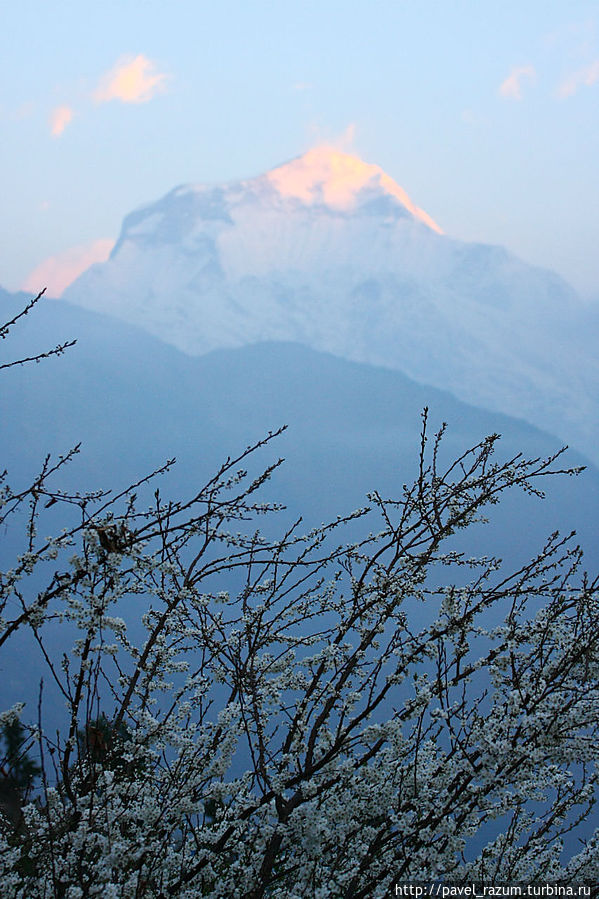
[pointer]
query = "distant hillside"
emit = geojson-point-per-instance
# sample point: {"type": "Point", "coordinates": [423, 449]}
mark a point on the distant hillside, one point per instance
{"type": "Point", "coordinates": [134, 402]}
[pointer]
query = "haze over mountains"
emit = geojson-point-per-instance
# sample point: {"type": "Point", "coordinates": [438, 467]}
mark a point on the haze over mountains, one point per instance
{"type": "Point", "coordinates": [317, 296]}
{"type": "Point", "coordinates": [329, 252]}
{"type": "Point", "coordinates": [133, 402]}
{"type": "Point", "coordinates": [258, 295]}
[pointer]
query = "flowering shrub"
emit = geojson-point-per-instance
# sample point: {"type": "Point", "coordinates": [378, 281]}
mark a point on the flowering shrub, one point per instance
{"type": "Point", "coordinates": [299, 734]}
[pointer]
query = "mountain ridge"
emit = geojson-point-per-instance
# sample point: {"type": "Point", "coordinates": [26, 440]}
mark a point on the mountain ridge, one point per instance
{"type": "Point", "coordinates": [134, 401]}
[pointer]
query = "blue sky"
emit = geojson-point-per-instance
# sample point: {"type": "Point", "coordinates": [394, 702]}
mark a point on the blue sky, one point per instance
{"type": "Point", "coordinates": [486, 113]}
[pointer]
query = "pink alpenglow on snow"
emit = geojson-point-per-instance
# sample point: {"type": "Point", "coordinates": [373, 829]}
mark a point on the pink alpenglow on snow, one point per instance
{"type": "Point", "coordinates": [325, 175]}
{"type": "Point", "coordinates": [56, 272]}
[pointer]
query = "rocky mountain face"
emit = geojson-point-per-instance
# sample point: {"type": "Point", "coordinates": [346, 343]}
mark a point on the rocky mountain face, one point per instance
{"type": "Point", "coordinates": [329, 252]}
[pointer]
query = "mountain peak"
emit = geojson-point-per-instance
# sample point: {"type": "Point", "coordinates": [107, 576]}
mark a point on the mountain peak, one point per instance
{"type": "Point", "coordinates": [326, 175]}
{"type": "Point", "coordinates": [328, 251]}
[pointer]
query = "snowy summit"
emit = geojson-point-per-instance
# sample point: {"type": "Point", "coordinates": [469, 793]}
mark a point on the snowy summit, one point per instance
{"type": "Point", "coordinates": [325, 176]}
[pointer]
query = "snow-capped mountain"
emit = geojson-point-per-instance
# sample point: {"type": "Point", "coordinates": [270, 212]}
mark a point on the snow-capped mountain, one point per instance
{"type": "Point", "coordinates": [330, 252]}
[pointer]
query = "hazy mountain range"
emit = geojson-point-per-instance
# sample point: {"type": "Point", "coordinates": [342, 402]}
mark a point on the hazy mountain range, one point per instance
{"type": "Point", "coordinates": [134, 401]}
{"type": "Point", "coordinates": [316, 296]}
{"type": "Point", "coordinates": [329, 252]}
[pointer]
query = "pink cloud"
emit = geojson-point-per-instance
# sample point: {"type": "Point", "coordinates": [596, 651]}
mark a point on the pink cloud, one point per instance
{"type": "Point", "coordinates": [131, 80]}
{"type": "Point", "coordinates": [59, 119]}
{"type": "Point", "coordinates": [585, 77]}
{"type": "Point", "coordinates": [57, 272]}
{"type": "Point", "coordinates": [511, 88]}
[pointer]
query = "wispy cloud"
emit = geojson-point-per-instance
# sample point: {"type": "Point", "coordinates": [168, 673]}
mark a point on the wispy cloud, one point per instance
{"type": "Point", "coordinates": [346, 140]}
{"type": "Point", "coordinates": [511, 88]}
{"type": "Point", "coordinates": [57, 272]}
{"type": "Point", "coordinates": [59, 119]}
{"type": "Point", "coordinates": [343, 142]}
{"type": "Point", "coordinates": [131, 80]}
{"type": "Point", "coordinates": [584, 77]}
